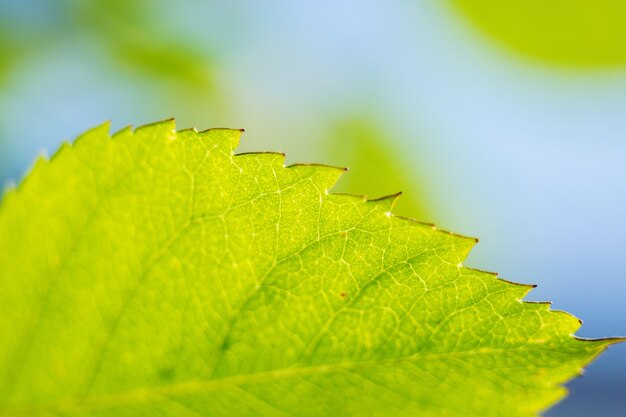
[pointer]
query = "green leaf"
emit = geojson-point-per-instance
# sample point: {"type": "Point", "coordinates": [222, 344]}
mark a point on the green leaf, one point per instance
{"type": "Point", "coordinates": [572, 33]}
{"type": "Point", "coordinates": [158, 273]}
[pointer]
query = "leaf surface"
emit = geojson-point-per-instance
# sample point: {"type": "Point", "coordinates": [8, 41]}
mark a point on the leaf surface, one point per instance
{"type": "Point", "coordinates": [157, 273]}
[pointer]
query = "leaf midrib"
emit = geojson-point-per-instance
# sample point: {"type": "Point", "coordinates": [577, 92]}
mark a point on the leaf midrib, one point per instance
{"type": "Point", "coordinates": [162, 392]}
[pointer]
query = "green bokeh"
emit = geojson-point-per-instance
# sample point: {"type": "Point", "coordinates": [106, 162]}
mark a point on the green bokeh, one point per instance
{"type": "Point", "coordinates": [134, 37]}
{"type": "Point", "coordinates": [572, 33]}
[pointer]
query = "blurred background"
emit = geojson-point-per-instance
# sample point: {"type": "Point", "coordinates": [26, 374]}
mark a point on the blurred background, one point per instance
{"type": "Point", "coordinates": [502, 120]}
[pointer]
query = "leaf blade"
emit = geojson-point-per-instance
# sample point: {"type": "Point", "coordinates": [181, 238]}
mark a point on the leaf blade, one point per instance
{"type": "Point", "coordinates": [176, 277]}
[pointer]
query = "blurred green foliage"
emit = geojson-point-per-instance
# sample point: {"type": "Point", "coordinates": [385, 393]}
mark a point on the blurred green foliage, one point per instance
{"type": "Point", "coordinates": [127, 31]}
{"type": "Point", "coordinates": [132, 35]}
{"type": "Point", "coordinates": [6, 55]}
{"type": "Point", "coordinates": [573, 33]}
{"type": "Point", "coordinates": [376, 166]}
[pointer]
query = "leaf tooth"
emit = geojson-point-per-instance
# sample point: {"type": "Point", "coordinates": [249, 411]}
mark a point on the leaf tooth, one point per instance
{"type": "Point", "coordinates": [523, 288]}
{"type": "Point", "coordinates": [163, 129]}
{"type": "Point", "coordinates": [469, 239]}
{"type": "Point", "coordinates": [224, 136]}
{"type": "Point", "coordinates": [123, 132]}
{"type": "Point", "coordinates": [566, 322]}
{"type": "Point", "coordinates": [43, 159]}
{"type": "Point", "coordinates": [460, 245]}
{"type": "Point", "coordinates": [540, 305]}
{"type": "Point", "coordinates": [386, 203]}
{"type": "Point", "coordinates": [229, 129]}
{"type": "Point", "coordinates": [520, 284]}
{"type": "Point", "coordinates": [273, 159]}
{"type": "Point", "coordinates": [361, 198]}
{"type": "Point", "coordinates": [603, 343]}
{"type": "Point", "coordinates": [323, 176]}
{"type": "Point", "coordinates": [168, 123]}
{"type": "Point", "coordinates": [192, 130]}
{"type": "Point", "coordinates": [93, 134]}
{"type": "Point", "coordinates": [573, 322]}
{"type": "Point", "coordinates": [511, 292]}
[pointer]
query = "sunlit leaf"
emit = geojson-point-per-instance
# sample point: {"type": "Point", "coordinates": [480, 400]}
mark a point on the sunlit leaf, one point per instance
{"type": "Point", "coordinates": [158, 273]}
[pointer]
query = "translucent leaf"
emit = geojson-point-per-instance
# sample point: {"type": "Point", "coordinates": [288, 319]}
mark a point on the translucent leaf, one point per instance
{"type": "Point", "coordinates": [158, 273]}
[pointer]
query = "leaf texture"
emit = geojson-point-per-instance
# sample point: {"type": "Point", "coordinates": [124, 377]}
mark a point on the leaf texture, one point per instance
{"type": "Point", "coordinates": [158, 273]}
